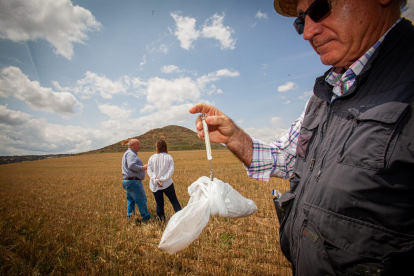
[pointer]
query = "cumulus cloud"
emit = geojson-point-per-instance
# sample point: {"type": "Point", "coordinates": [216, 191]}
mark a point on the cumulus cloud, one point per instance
{"type": "Point", "coordinates": [185, 32]}
{"type": "Point", "coordinates": [162, 93]}
{"type": "Point", "coordinates": [227, 73]}
{"type": "Point", "coordinates": [159, 91]}
{"type": "Point", "coordinates": [57, 21]}
{"type": "Point", "coordinates": [203, 80]}
{"type": "Point", "coordinates": [213, 27]}
{"type": "Point", "coordinates": [169, 69]}
{"type": "Point", "coordinates": [276, 121]}
{"type": "Point", "coordinates": [261, 15]}
{"type": "Point", "coordinates": [94, 84]}
{"type": "Point", "coordinates": [287, 86]}
{"type": "Point", "coordinates": [11, 117]}
{"type": "Point", "coordinates": [170, 115]}
{"type": "Point", "coordinates": [167, 102]}
{"type": "Point", "coordinates": [21, 135]}
{"type": "Point", "coordinates": [13, 83]}
{"type": "Point", "coordinates": [115, 112]}
{"type": "Point", "coordinates": [266, 134]}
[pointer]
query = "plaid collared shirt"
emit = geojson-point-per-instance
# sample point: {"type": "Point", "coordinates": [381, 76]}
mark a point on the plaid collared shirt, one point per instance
{"type": "Point", "coordinates": [277, 159]}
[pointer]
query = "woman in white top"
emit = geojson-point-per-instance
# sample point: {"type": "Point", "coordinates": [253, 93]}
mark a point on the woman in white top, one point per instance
{"type": "Point", "coordinates": [160, 170]}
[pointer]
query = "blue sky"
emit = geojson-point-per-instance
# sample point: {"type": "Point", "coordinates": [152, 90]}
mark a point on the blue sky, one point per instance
{"type": "Point", "coordinates": [80, 75]}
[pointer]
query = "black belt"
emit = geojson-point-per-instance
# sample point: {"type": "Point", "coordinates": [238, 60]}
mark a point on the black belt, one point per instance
{"type": "Point", "coordinates": [132, 178]}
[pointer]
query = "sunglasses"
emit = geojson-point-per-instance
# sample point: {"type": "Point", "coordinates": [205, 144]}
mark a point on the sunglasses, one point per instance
{"type": "Point", "coordinates": [317, 11]}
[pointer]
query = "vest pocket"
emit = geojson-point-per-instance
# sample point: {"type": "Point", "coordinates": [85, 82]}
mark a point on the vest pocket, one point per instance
{"type": "Point", "coordinates": [307, 131]}
{"type": "Point", "coordinates": [311, 255]}
{"type": "Point", "coordinates": [372, 135]}
{"type": "Point", "coordinates": [354, 246]}
{"type": "Point", "coordinates": [283, 207]}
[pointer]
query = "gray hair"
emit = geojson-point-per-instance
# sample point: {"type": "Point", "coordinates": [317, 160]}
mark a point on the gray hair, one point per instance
{"type": "Point", "coordinates": [131, 142]}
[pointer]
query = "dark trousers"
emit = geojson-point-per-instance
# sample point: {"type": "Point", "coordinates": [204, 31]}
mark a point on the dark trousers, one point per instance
{"type": "Point", "coordinates": [159, 199]}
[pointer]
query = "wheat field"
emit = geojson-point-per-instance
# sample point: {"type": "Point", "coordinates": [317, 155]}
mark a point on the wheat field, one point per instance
{"type": "Point", "coordinates": [66, 216]}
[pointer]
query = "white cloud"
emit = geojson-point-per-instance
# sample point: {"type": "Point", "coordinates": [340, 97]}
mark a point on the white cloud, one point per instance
{"type": "Point", "coordinates": [213, 89]}
{"type": "Point", "coordinates": [276, 121]}
{"type": "Point", "coordinates": [287, 102]}
{"type": "Point", "coordinates": [14, 83]}
{"type": "Point", "coordinates": [169, 69]}
{"type": "Point", "coordinates": [213, 27]}
{"type": "Point", "coordinates": [22, 135]}
{"type": "Point", "coordinates": [409, 11]}
{"type": "Point", "coordinates": [306, 95]}
{"type": "Point", "coordinates": [266, 134]}
{"type": "Point", "coordinates": [93, 84]}
{"type": "Point", "coordinates": [227, 73]}
{"type": "Point", "coordinates": [261, 15]}
{"type": "Point", "coordinates": [167, 103]}
{"type": "Point", "coordinates": [135, 82]}
{"type": "Point", "coordinates": [144, 61]}
{"type": "Point", "coordinates": [163, 93]}
{"type": "Point", "coordinates": [169, 115]}
{"type": "Point", "coordinates": [203, 80]}
{"type": "Point", "coordinates": [57, 21]}
{"type": "Point", "coordinates": [287, 86]}
{"type": "Point", "coordinates": [185, 32]}
{"type": "Point", "coordinates": [158, 90]}
{"type": "Point", "coordinates": [11, 117]}
{"type": "Point", "coordinates": [115, 112]}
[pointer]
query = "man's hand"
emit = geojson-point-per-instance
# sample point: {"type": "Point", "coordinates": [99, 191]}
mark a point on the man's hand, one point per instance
{"type": "Point", "coordinates": [144, 168]}
{"type": "Point", "coordinates": [222, 129]}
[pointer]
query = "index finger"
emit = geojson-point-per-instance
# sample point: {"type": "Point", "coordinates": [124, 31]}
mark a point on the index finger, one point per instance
{"type": "Point", "coordinates": [200, 108]}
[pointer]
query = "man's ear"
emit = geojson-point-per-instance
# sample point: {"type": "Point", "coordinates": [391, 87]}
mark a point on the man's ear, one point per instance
{"type": "Point", "coordinates": [385, 2]}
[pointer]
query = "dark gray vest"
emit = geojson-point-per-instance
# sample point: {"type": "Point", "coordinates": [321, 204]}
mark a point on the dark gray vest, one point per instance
{"type": "Point", "coordinates": [350, 210]}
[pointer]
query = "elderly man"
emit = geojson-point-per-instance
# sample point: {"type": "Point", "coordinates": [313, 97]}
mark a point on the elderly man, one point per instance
{"type": "Point", "coordinates": [350, 155]}
{"type": "Point", "coordinates": [133, 171]}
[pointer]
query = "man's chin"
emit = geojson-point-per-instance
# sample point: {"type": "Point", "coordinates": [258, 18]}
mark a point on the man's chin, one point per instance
{"type": "Point", "coordinates": [330, 61]}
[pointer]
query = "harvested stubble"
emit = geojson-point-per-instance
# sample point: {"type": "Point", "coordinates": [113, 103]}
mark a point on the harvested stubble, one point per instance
{"type": "Point", "coordinates": [67, 216]}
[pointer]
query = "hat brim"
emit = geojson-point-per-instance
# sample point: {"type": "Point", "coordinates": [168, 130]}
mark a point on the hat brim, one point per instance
{"type": "Point", "coordinates": [286, 7]}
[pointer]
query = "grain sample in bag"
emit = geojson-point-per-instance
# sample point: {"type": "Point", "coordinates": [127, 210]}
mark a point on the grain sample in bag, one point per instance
{"type": "Point", "coordinates": [207, 198]}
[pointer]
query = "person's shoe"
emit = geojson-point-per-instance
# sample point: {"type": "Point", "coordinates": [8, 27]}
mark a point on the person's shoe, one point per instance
{"type": "Point", "coordinates": [162, 219]}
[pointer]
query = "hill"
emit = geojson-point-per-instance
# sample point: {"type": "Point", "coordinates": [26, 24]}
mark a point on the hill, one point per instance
{"type": "Point", "coordinates": [177, 137]}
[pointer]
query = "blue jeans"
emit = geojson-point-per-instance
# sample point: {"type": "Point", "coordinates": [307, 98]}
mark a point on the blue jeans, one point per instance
{"type": "Point", "coordinates": [159, 199]}
{"type": "Point", "coordinates": [135, 194]}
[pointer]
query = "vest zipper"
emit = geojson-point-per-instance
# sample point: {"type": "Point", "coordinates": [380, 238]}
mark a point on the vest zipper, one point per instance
{"type": "Point", "coordinates": [306, 182]}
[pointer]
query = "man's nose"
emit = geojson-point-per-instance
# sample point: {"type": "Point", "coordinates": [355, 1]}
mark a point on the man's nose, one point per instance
{"type": "Point", "coordinates": [311, 28]}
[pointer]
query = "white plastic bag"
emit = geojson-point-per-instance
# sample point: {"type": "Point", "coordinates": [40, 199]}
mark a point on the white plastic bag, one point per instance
{"type": "Point", "coordinates": [206, 198]}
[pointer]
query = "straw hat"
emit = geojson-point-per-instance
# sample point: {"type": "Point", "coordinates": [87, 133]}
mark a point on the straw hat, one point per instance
{"type": "Point", "coordinates": [286, 7]}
